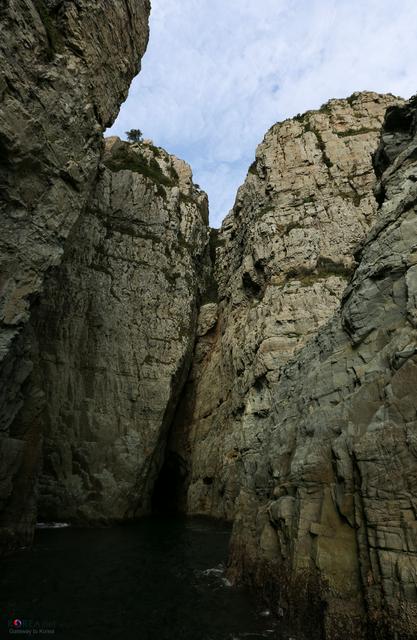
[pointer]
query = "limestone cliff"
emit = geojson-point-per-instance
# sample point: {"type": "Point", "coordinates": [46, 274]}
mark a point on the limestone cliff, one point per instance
{"type": "Point", "coordinates": [330, 510]}
{"type": "Point", "coordinates": [66, 68]}
{"type": "Point", "coordinates": [114, 331]}
{"type": "Point", "coordinates": [284, 256]}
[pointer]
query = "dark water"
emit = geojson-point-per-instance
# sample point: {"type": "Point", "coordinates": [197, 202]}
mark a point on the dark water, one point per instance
{"type": "Point", "coordinates": [159, 579]}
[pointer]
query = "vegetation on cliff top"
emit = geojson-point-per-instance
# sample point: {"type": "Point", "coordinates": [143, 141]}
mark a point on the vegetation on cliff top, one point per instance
{"type": "Point", "coordinates": [125, 158]}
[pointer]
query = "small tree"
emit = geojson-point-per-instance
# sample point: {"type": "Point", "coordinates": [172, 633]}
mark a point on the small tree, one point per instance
{"type": "Point", "coordinates": [134, 135]}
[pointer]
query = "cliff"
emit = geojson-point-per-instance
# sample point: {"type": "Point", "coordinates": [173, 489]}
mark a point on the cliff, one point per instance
{"type": "Point", "coordinates": [263, 373]}
{"type": "Point", "coordinates": [284, 256]}
{"type": "Point", "coordinates": [114, 335]}
{"type": "Point", "coordinates": [328, 516]}
{"type": "Point", "coordinates": [58, 60]}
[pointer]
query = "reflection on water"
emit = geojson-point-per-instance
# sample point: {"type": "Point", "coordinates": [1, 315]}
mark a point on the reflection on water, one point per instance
{"type": "Point", "coordinates": [159, 579]}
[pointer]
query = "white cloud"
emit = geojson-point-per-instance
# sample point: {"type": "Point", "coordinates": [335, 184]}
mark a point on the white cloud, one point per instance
{"type": "Point", "coordinates": [219, 73]}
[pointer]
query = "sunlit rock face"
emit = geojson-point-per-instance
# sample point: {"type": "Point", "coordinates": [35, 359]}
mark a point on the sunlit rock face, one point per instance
{"type": "Point", "coordinates": [115, 330]}
{"type": "Point", "coordinates": [66, 68]}
{"type": "Point", "coordinates": [284, 256]}
{"type": "Point", "coordinates": [331, 502]}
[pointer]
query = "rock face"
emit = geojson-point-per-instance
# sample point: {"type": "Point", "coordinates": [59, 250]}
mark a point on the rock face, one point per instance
{"type": "Point", "coordinates": [58, 60]}
{"type": "Point", "coordinates": [330, 510]}
{"type": "Point", "coordinates": [284, 256]}
{"type": "Point", "coordinates": [115, 334]}
{"type": "Point", "coordinates": [277, 391]}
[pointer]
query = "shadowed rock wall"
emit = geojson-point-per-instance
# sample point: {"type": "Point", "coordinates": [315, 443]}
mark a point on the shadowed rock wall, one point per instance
{"type": "Point", "coordinates": [115, 334]}
{"type": "Point", "coordinates": [66, 68]}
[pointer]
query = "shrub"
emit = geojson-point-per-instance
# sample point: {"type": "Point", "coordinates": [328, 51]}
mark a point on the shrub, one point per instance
{"type": "Point", "coordinates": [134, 135]}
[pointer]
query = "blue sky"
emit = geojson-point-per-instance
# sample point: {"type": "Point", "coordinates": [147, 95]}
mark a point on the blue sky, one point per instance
{"type": "Point", "coordinates": [218, 73]}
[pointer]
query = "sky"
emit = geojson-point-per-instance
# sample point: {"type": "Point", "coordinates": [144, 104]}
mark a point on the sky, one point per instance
{"type": "Point", "coordinates": [218, 74]}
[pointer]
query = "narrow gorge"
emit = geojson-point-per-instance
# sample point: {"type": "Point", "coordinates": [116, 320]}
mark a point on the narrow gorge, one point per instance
{"type": "Point", "coordinates": [262, 373]}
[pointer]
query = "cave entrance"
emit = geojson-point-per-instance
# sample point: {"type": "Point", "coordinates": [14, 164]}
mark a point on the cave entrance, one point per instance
{"type": "Point", "coordinates": [169, 490]}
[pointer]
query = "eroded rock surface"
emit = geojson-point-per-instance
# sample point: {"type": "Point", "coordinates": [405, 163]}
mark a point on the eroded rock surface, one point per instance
{"type": "Point", "coordinates": [66, 68]}
{"type": "Point", "coordinates": [332, 500]}
{"type": "Point", "coordinates": [298, 416]}
{"type": "Point", "coordinates": [115, 333]}
{"type": "Point", "coordinates": [284, 256]}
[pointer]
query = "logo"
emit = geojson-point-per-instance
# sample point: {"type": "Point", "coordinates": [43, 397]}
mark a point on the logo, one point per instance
{"type": "Point", "coordinates": [20, 626]}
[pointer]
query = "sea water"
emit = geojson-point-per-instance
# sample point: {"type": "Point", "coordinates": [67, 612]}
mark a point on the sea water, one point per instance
{"type": "Point", "coordinates": [162, 578]}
